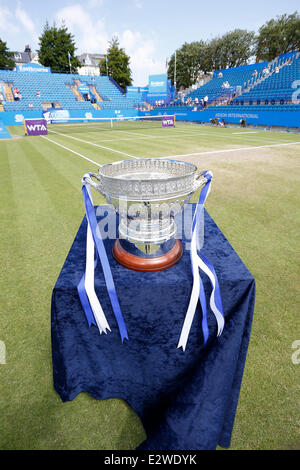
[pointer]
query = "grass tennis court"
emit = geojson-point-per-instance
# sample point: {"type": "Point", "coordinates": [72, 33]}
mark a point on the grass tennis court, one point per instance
{"type": "Point", "coordinates": [255, 202]}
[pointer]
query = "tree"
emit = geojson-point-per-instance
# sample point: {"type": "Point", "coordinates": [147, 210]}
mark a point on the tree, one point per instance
{"type": "Point", "coordinates": [6, 57]}
{"type": "Point", "coordinates": [117, 64]}
{"type": "Point", "coordinates": [278, 36]}
{"type": "Point", "coordinates": [233, 49]}
{"type": "Point", "coordinates": [191, 58]}
{"type": "Point", "coordinates": [56, 44]}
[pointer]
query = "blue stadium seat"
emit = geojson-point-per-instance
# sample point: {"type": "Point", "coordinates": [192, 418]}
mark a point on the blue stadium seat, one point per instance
{"type": "Point", "coordinates": [56, 88]}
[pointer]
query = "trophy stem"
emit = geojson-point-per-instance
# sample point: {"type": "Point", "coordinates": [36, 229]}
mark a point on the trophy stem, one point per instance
{"type": "Point", "coordinates": [137, 263]}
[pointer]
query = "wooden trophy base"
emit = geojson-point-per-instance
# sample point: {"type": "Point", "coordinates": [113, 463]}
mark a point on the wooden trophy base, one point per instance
{"type": "Point", "coordinates": [137, 263]}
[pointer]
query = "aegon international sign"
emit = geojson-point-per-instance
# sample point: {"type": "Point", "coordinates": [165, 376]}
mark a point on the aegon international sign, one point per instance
{"type": "Point", "coordinates": [35, 126]}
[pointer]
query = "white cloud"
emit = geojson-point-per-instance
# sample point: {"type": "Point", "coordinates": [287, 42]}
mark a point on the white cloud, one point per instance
{"type": "Point", "coordinates": [138, 4]}
{"type": "Point", "coordinates": [95, 3]}
{"type": "Point", "coordinates": [91, 35]}
{"type": "Point", "coordinates": [16, 24]}
{"type": "Point", "coordinates": [142, 54]}
{"type": "Point", "coordinates": [7, 22]}
{"type": "Point", "coordinates": [24, 19]}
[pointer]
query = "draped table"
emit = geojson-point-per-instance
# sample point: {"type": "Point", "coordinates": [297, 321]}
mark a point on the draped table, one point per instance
{"type": "Point", "coordinates": [186, 400]}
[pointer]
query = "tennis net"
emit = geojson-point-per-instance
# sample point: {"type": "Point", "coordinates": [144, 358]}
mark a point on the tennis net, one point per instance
{"type": "Point", "coordinates": [89, 124]}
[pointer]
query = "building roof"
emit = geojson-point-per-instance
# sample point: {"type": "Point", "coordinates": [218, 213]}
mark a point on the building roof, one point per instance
{"type": "Point", "coordinates": [91, 60]}
{"type": "Point", "coordinates": [21, 57]}
{"type": "Point", "coordinates": [26, 56]}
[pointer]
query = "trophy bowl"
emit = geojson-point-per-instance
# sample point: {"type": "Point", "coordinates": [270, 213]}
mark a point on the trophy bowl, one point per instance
{"type": "Point", "coordinates": [147, 193]}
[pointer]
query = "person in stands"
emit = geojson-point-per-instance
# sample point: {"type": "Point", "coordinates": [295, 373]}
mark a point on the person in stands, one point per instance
{"type": "Point", "coordinates": [16, 94]}
{"type": "Point", "coordinates": [30, 105]}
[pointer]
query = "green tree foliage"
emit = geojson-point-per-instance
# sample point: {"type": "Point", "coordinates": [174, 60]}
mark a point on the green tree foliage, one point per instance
{"type": "Point", "coordinates": [190, 59]}
{"type": "Point", "coordinates": [230, 50]}
{"type": "Point", "coordinates": [278, 36]}
{"type": "Point", "coordinates": [233, 49]}
{"type": "Point", "coordinates": [117, 64]}
{"type": "Point", "coordinates": [55, 44]}
{"type": "Point", "coordinates": [6, 57]}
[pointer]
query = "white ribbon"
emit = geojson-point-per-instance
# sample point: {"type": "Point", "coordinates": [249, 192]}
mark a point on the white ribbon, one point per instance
{"type": "Point", "coordinates": [194, 295]}
{"type": "Point", "coordinates": [89, 276]}
{"type": "Point", "coordinates": [197, 290]}
{"type": "Point", "coordinates": [216, 311]}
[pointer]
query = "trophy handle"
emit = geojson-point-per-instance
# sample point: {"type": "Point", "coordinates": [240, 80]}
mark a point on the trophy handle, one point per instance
{"type": "Point", "coordinates": [200, 179]}
{"type": "Point", "coordinates": [88, 179]}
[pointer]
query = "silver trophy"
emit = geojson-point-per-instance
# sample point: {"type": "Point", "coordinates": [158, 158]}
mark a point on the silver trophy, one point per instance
{"type": "Point", "coordinates": [147, 193]}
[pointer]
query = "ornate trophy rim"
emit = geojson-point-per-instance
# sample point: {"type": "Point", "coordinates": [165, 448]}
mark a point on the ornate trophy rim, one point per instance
{"type": "Point", "coordinates": [192, 166]}
{"type": "Point", "coordinates": [146, 179]}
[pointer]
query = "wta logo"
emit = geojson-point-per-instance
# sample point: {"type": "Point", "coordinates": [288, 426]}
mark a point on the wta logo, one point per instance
{"type": "Point", "coordinates": [35, 126]}
{"type": "Point", "coordinates": [168, 121]}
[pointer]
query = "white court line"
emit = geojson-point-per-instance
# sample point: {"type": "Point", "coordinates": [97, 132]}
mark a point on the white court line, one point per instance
{"type": "Point", "coordinates": [134, 133]}
{"type": "Point", "coordinates": [70, 150]}
{"type": "Point", "coordinates": [149, 137]}
{"type": "Point", "coordinates": [73, 125]}
{"type": "Point", "coordinates": [217, 134]}
{"type": "Point", "coordinates": [174, 156]}
{"type": "Point", "coordinates": [139, 136]}
{"type": "Point", "coordinates": [245, 132]}
{"type": "Point", "coordinates": [196, 133]}
{"type": "Point", "coordinates": [229, 150]}
{"type": "Point", "coordinates": [118, 140]}
{"type": "Point", "coordinates": [94, 144]}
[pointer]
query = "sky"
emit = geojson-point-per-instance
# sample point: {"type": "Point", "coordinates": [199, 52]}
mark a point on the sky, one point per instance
{"type": "Point", "coordinates": [149, 31]}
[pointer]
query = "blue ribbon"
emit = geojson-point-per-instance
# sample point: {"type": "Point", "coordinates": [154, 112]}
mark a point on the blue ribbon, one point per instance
{"type": "Point", "coordinates": [84, 299]}
{"type": "Point", "coordinates": [200, 207]}
{"type": "Point", "coordinates": [217, 294]}
{"type": "Point", "coordinates": [92, 220]}
{"type": "Point", "coordinates": [199, 261]}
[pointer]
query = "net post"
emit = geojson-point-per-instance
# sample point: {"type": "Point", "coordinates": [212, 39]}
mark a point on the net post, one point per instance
{"type": "Point", "coordinates": [25, 128]}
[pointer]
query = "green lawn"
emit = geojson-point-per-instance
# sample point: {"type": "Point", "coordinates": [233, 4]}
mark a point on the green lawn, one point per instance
{"type": "Point", "coordinates": [255, 202]}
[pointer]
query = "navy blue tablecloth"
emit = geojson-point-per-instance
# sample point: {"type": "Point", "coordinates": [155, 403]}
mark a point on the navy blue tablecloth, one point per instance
{"type": "Point", "coordinates": [185, 400]}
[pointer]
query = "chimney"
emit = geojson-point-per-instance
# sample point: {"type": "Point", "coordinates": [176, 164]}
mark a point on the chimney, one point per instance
{"type": "Point", "coordinates": [28, 50]}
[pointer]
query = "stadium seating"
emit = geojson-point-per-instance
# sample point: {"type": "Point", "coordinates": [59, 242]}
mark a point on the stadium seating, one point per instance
{"type": "Point", "coordinates": [61, 91]}
{"type": "Point", "coordinates": [276, 87]}
{"type": "Point", "coordinates": [248, 91]}
{"type": "Point", "coordinates": [248, 88]}
{"type": "Point", "coordinates": [236, 77]}
{"type": "Point", "coordinates": [113, 97]}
